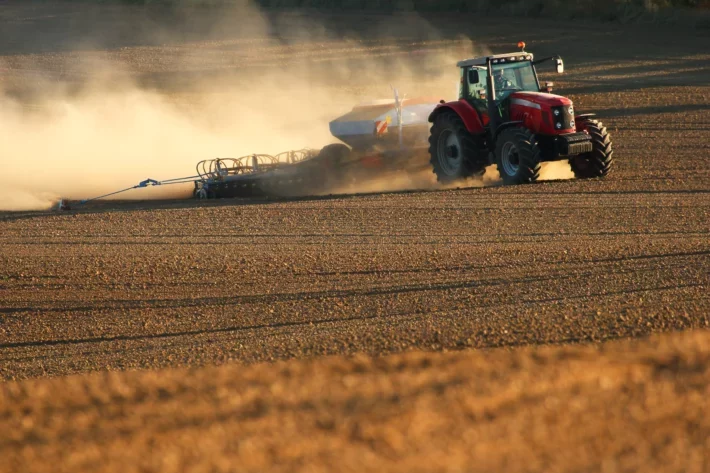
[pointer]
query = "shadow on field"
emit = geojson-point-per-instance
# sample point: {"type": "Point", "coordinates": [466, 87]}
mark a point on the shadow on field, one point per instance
{"type": "Point", "coordinates": [110, 206]}
{"type": "Point", "coordinates": [339, 294]}
{"type": "Point", "coordinates": [552, 187]}
{"type": "Point", "coordinates": [698, 77]}
{"type": "Point", "coordinates": [651, 110]}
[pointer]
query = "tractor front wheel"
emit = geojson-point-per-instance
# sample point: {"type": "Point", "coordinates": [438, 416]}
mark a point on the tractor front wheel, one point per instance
{"type": "Point", "coordinates": [597, 163]}
{"type": "Point", "coordinates": [517, 156]}
{"type": "Point", "coordinates": [454, 152]}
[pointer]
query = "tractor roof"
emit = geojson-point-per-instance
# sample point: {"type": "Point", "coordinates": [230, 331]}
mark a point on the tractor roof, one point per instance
{"type": "Point", "coordinates": [509, 57]}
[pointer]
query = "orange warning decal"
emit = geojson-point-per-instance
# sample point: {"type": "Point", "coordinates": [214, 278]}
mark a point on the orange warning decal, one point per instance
{"type": "Point", "coordinates": [381, 127]}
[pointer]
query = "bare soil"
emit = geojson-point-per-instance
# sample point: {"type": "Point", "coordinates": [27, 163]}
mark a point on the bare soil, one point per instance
{"type": "Point", "coordinates": [163, 284]}
{"type": "Point", "coordinates": [622, 406]}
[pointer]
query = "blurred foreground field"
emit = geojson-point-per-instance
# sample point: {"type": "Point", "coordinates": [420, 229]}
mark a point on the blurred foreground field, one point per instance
{"type": "Point", "coordinates": [624, 406]}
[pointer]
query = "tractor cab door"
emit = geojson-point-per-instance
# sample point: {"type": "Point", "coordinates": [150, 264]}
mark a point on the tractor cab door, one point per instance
{"type": "Point", "coordinates": [474, 88]}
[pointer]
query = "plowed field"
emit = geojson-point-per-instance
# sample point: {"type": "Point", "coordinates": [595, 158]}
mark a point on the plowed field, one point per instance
{"type": "Point", "coordinates": [161, 284]}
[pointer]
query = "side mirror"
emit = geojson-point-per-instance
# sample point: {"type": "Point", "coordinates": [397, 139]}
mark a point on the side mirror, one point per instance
{"type": "Point", "coordinates": [560, 66]}
{"type": "Point", "coordinates": [473, 77]}
{"type": "Point", "coordinates": [548, 87]}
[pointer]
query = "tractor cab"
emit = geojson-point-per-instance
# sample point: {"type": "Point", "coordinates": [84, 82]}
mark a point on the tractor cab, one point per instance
{"type": "Point", "coordinates": [515, 72]}
{"type": "Point", "coordinates": [504, 117]}
{"type": "Point", "coordinates": [508, 73]}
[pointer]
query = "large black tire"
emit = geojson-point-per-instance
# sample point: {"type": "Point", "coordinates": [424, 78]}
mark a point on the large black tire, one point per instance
{"type": "Point", "coordinates": [517, 156]}
{"type": "Point", "coordinates": [598, 163]}
{"type": "Point", "coordinates": [454, 152]}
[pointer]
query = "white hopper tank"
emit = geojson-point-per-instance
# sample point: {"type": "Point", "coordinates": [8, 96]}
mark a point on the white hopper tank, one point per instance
{"type": "Point", "coordinates": [376, 125]}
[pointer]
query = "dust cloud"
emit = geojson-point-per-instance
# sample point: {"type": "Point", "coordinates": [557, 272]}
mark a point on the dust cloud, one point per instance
{"type": "Point", "coordinates": [110, 127]}
{"type": "Point", "coordinates": [422, 180]}
{"type": "Point", "coordinates": [555, 170]}
{"type": "Point", "coordinates": [104, 140]}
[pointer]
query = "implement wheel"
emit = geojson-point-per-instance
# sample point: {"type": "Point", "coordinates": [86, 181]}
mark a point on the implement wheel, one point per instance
{"type": "Point", "coordinates": [454, 152]}
{"type": "Point", "coordinates": [598, 163]}
{"type": "Point", "coordinates": [333, 159]}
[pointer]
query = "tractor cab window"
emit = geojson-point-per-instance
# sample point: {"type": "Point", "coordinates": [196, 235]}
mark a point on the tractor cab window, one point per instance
{"type": "Point", "coordinates": [475, 79]}
{"type": "Point", "coordinates": [476, 83]}
{"type": "Point", "coordinates": [513, 77]}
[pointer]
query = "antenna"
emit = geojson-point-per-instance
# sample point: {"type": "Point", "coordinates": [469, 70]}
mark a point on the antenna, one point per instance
{"type": "Point", "coordinates": [398, 107]}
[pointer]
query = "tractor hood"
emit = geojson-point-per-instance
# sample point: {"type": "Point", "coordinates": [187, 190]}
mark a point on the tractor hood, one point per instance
{"type": "Point", "coordinates": [545, 114]}
{"type": "Point", "coordinates": [539, 100]}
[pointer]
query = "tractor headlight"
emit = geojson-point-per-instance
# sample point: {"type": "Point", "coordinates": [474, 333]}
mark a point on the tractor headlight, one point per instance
{"type": "Point", "coordinates": [558, 125]}
{"type": "Point", "coordinates": [557, 113]}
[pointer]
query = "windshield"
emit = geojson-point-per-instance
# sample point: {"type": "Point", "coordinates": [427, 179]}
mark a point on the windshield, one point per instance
{"type": "Point", "coordinates": [509, 78]}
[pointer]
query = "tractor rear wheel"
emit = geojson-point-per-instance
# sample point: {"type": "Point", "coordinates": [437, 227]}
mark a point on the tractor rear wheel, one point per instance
{"type": "Point", "coordinates": [517, 156]}
{"type": "Point", "coordinates": [597, 163]}
{"type": "Point", "coordinates": [454, 152]}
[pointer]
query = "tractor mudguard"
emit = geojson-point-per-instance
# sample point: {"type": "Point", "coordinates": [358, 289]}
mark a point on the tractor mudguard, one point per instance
{"type": "Point", "coordinates": [505, 126]}
{"type": "Point", "coordinates": [463, 109]}
{"type": "Point", "coordinates": [579, 119]}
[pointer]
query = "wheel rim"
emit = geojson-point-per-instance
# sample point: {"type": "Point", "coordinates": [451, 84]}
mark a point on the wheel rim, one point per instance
{"type": "Point", "coordinates": [510, 159]}
{"type": "Point", "coordinates": [449, 152]}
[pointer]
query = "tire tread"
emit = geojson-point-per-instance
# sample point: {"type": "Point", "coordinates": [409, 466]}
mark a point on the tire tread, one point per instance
{"type": "Point", "coordinates": [599, 162]}
{"type": "Point", "coordinates": [528, 154]}
{"type": "Point", "coordinates": [473, 149]}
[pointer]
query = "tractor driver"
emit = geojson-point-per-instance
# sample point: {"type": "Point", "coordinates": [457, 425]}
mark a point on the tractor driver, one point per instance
{"type": "Point", "coordinates": [502, 82]}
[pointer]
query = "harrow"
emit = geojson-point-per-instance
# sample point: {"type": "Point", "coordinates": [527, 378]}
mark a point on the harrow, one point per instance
{"type": "Point", "coordinates": [255, 174]}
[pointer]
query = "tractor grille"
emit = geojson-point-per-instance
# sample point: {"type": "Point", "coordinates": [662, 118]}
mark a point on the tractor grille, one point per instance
{"type": "Point", "coordinates": [573, 144]}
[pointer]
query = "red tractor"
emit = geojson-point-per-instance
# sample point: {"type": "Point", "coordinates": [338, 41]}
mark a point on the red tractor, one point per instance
{"type": "Point", "coordinates": [504, 117]}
